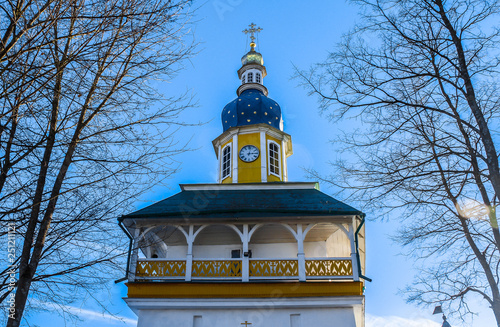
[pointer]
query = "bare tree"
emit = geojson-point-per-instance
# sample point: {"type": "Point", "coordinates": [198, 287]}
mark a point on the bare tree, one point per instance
{"type": "Point", "coordinates": [422, 78]}
{"type": "Point", "coordinates": [83, 132]}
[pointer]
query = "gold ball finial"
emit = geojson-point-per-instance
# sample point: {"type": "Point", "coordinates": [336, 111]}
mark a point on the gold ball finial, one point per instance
{"type": "Point", "coordinates": [252, 46]}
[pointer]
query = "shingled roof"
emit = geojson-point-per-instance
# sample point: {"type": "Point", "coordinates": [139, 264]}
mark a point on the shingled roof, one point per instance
{"type": "Point", "coordinates": [246, 200]}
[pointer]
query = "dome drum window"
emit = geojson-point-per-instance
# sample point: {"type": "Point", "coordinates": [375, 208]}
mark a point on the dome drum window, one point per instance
{"type": "Point", "coordinates": [226, 162]}
{"type": "Point", "coordinates": [243, 79]}
{"type": "Point", "coordinates": [250, 77]}
{"type": "Point", "coordinates": [257, 77]}
{"type": "Point", "coordinates": [274, 158]}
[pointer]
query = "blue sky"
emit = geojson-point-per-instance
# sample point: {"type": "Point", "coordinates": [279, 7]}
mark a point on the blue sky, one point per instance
{"type": "Point", "coordinates": [294, 33]}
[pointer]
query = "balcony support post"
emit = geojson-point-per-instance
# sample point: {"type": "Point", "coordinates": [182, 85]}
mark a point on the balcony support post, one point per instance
{"type": "Point", "coordinates": [245, 260]}
{"type": "Point", "coordinates": [135, 253]}
{"type": "Point", "coordinates": [354, 261]}
{"type": "Point", "coordinates": [189, 256]}
{"type": "Point", "coordinates": [300, 253]}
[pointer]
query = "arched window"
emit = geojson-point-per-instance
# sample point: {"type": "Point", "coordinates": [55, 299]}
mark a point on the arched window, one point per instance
{"type": "Point", "coordinates": [243, 79]}
{"type": "Point", "coordinates": [274, 158]}
{"type": "Point", "coordinates": [257, 77]}
{"type": "Point", "coordinates": [226, 162]}
{"type": "Point", "coordinates": [250, 77]}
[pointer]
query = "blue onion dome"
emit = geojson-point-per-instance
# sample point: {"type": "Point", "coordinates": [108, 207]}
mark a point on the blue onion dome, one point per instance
{"type": "Point", "coordinates": [249, 108]}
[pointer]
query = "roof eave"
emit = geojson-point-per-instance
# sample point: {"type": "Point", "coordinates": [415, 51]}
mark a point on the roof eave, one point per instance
{"type": "Point", "coordinates": [340, 219]}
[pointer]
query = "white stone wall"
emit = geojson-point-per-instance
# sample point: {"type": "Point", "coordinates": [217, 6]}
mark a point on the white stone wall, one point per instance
{"type": "Point", "coordinates": [337, 245]}
{"type": "Point", "coordinates": [315, 249]}
{"type": "Point", "coordinates": [266, 316]}
{"type": "Point", "coordinates": [177, 252]}
{"type": "Point", "coordinates": [276, 251]}
{"type": "Point", "coordinates": [214, 251]}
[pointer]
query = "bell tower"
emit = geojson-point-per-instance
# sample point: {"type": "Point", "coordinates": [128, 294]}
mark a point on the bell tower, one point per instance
{"type": "Point", "coordinates": [253, 249]}
{"type": "Point", "coordinates": [253, 147]}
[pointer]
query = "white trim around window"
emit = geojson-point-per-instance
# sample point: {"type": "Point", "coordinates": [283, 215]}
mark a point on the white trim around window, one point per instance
{"type": "Point", "coordinates": [225, 162]}
{"type": "Point", "coordinates": [274, 158]}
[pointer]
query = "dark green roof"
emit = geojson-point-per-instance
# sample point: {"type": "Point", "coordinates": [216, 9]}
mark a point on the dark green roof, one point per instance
{"type": "Point", "coordinates": [223, 203]}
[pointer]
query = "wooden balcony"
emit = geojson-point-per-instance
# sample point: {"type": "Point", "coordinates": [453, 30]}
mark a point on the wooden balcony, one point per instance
{"type": "Point", "coordinates": [233, 269]}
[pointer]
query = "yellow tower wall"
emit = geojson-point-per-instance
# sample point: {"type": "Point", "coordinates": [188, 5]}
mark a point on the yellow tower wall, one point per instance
{"type": "Point", "coordinates": [249, 172]}
{"type": "Point", "coordinates": [256, 171]}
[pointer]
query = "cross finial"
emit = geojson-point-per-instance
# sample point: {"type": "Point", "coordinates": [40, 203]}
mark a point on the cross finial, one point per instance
{"type": "Point", "coordinates": [246, 323]}
{"type": "Point", "coordinates": [252, 30]}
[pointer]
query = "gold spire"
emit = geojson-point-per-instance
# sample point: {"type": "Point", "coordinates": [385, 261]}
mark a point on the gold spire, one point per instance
{"type": "Point", "coordinates": [252, 31]}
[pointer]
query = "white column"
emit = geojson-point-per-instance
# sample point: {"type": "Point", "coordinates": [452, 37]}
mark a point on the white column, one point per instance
{"type": "Point", "coordinates": [219, 169]}
{"type": "Point", "coordinates": [300, 253]}
{"type": "Point", "coordinates": [245, 261]}
{"type": "Point", "coordinates": [354, 259]}
{"type": "Point", "coordinates": [134, 256]}
{"type": "Point", "coordinates": [189, 256]}
{"type": "Point", "coordinates": [283, 156]}
{"type": "Point", "coordinates": [263, 157]}
{"type": "Point", "coordinates": [235, 158]}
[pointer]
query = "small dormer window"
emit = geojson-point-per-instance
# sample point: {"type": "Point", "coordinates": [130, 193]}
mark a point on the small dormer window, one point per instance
{"type": "Point", "coordinates": [250, 77]}
{"type": "Point", "coordinates": [243, 79]}
{"type": "Point", "coordinates": [226, 162]}
{"type": "Point", "coordinates": [257, 77]}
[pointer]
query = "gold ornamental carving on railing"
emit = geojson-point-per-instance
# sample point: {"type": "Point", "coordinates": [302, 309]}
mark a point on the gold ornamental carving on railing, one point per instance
{"type": "Point", "coordinates": [233, 268]}
{"type": "Point", "coordinates": [328, 268]}
{"type": "Point", "coordinates": [273, 268]}
{"type": "Point", "coordinates": [216, 268]}
{"type": "Point", "coordinates": [174, 268]}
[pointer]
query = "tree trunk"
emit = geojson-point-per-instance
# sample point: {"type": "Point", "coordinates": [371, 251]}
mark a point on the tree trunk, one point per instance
{"type": "Point", "coordinates": [29, 260]}
{"type": "Point", "coordinates": [487, 140]}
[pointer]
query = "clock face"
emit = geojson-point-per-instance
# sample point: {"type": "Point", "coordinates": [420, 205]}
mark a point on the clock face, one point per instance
{"type": "Point", "coordinates": [249, 153]}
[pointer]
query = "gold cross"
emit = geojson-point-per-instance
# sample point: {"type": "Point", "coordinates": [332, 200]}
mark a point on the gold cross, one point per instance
{"type": "Point", "coordinates": [246, 323]}
{"type": "Point", "coordinates": [252, 31]}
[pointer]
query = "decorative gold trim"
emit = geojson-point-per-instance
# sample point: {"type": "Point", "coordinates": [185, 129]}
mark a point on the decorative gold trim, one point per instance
{"type": "Point", "coordinates": [273, 268]}
{"type": "Point", "coordinates": [146, 268]}
{"type": "Point", "coordinates": [232, 268]}
{"type": "Point", "coordinates": [328, 268]}
{"type": "Point", "coordinates": [216, 268]}
{"type": "Point", "coordinates": [243, 290]}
